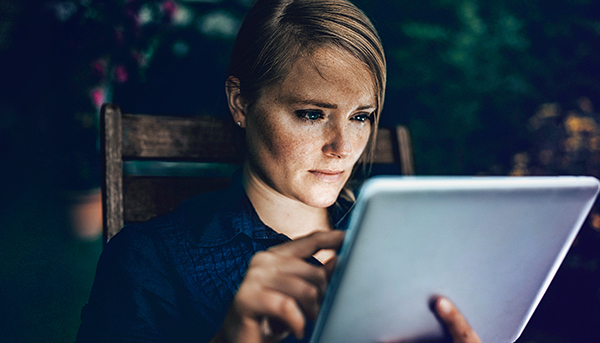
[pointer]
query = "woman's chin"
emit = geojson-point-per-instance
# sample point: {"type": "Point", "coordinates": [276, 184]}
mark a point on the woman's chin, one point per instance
{"type": "Point", "coordinates": [321, 200]}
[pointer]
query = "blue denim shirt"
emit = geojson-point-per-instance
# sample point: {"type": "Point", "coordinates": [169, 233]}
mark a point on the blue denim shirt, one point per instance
{"type": "Point", "coordinates": [173, 278]}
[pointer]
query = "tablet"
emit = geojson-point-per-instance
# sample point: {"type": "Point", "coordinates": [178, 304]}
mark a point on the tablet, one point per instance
{"type": "Point", "coordinates": [490, 244]}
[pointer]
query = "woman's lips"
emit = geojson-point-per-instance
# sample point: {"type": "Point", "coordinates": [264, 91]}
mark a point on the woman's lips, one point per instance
{"type": "Point", "coordinates": [327, 175]}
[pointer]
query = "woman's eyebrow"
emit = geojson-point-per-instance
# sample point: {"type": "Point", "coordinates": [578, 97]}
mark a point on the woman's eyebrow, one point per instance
{"type": "Point", "coordinates": [328, 105]}
{"type": "Point", "coordinates": [316, 103]}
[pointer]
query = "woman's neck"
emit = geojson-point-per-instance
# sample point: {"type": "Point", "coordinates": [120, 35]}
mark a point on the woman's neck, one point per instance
{"type": "Point", "coordinates": [283, 214]}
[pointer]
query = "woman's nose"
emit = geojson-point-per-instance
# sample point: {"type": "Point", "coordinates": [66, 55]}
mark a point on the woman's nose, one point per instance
{"type": "Point", "coordinates": [339, 144]}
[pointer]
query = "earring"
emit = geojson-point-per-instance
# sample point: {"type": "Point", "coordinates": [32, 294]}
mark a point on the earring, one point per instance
{"type": "Point", "coordinates": [239, 123]}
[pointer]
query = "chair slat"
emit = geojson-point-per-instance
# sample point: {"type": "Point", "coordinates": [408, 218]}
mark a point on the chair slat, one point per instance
{"type": "Point", "coordinates": [188, 138]}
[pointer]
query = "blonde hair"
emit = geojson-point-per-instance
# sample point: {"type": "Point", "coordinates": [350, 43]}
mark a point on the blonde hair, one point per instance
{"type": "Point", "coordinates": [275, 33]}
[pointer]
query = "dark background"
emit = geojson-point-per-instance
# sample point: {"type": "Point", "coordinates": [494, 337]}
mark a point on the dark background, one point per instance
{"type": "Point", "coordinates": [491, 87]}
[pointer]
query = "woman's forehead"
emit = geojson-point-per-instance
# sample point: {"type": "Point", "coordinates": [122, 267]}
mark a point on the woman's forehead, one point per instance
{"type": "Point", "coordinates": [326, 58]}
{"type": "Point", "coordinates": [325, 71]}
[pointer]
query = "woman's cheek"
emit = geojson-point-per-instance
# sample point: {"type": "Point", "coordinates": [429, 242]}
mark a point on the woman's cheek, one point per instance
{"type": "Point", "coordinates": [295, 141]}
{"type": "Point", "coordinates": [360, 140]}
{"type": "Point", "coordinates": [295, 147]}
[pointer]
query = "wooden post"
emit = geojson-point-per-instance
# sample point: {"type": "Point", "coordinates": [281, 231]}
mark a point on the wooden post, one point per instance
{"type": "Point", "coordinates": [111, 135]}
{"type": "Point", "coordinates": [407, 165]}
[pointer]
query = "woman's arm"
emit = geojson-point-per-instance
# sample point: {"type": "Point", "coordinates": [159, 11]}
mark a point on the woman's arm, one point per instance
{"type": "Point", "coordinates": [282, 286]}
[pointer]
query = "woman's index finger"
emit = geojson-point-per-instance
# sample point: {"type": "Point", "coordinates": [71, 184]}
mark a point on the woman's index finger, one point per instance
{"type": "Point", "coordinates": [455, 322]}
{"type": "Point", "coordinates": [307, 246]}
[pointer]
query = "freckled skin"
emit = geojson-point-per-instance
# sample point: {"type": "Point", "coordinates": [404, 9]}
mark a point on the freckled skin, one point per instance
{"type": "Point", "coordinates": [285, 148]}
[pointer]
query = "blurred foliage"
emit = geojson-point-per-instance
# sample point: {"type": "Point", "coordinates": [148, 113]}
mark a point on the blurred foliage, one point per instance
{"type": "Point", "coordinates": [565, 142]}
{"type": "Point", "coordinates": [63, 59]}
{"type": "Point", "coordinates": [466, 75]}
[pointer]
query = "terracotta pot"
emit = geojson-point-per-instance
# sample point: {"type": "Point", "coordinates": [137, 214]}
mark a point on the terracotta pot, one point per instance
{"type": "Point", "coordinates": [84, 212]}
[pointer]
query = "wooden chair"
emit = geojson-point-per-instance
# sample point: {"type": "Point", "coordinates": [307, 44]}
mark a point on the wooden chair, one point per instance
{"type": "Point", "coordinates": [151, 163]}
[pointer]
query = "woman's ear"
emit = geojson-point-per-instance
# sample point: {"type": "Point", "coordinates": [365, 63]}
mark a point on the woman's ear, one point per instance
{"type": "Point", "coordinates": [237, 104]}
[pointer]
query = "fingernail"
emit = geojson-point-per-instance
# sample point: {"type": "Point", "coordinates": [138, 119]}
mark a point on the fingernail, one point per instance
{"type": "Point", "coordinates": [444, 305]}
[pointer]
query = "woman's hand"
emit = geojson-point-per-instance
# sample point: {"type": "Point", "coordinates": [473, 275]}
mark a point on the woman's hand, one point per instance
{"type": "Point", "coordinates": [455, 322]}
{"type": "Point", "coordinates": [279, 291]}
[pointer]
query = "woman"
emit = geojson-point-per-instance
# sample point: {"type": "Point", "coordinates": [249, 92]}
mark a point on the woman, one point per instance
{"type": "Point", "coordinates": [251, 263]}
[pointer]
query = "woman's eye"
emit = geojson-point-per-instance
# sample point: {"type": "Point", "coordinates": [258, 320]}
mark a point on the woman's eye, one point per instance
{"type": "Point", "coordinates": [362, 117]}
{"type": "Point", "coordinates": [309, 115]}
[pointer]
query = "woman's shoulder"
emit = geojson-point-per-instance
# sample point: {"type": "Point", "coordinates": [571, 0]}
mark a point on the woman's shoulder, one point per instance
{"type": "Point", "coordinates": [208, 218]}
{"type": "Point", "coordinates": [154, 260]}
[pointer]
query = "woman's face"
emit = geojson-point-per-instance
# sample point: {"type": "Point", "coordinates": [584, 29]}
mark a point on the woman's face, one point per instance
{"type": "Point", "coordinates": [305, 135]}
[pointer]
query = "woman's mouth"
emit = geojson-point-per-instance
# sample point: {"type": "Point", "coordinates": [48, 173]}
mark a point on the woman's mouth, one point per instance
{"type": "Point", "coordinates": [329, 176]}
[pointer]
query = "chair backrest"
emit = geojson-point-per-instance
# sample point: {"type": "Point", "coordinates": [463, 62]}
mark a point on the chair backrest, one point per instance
{"type": "Point", "coordinates": [152, 163]}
